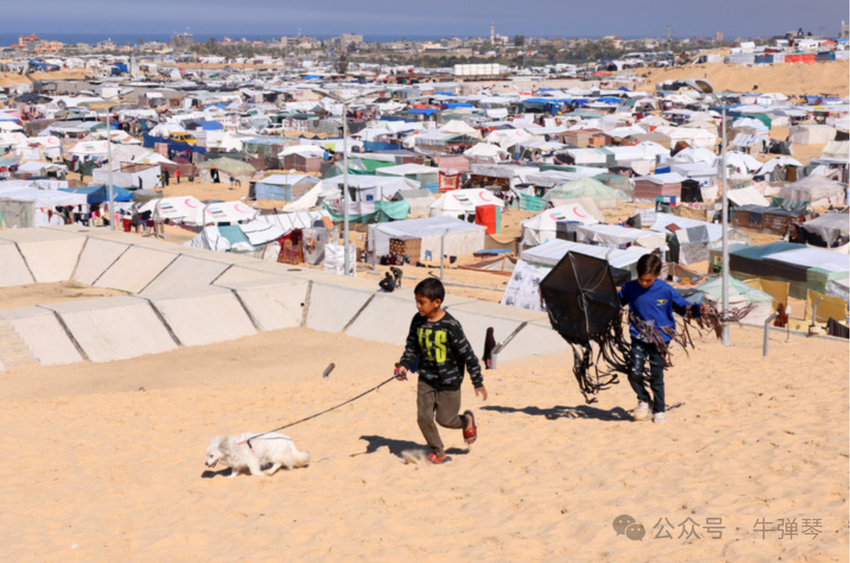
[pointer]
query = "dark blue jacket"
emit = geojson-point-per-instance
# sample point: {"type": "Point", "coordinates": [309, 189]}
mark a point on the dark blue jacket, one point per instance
{"type": "Point", "coordinates": [654, 305]}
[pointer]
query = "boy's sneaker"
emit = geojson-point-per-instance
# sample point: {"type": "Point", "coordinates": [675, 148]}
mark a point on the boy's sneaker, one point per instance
{"type": "Point", "coordinates": [642, 411]}
{"type": "Point", "coordinates": [659, 418]}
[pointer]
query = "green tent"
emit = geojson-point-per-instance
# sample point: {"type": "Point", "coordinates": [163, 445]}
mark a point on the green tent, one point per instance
{"type": "Point", "coordinates": [385, 211]}
{"type": "Point", "coordinates": [584, 187]}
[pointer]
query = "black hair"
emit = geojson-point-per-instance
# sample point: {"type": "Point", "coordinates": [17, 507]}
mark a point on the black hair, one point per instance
{"type": "Point", "coordinates": [430, 288]}
{"type": "Point", "coordinates": [649, 264]}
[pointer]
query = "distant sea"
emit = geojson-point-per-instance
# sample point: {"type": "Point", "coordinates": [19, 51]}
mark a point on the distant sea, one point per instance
{"type": "Point", "coordinates": [125, 38]}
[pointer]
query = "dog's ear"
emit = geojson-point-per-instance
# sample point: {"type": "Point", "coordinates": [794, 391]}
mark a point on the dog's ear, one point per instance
{"type": "Point", "coordinates": [224, 446]}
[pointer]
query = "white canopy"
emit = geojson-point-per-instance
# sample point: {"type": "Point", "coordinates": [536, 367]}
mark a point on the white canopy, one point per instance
{"type": "Point", "coordinates": [461, 237]}
{"type": "Point", "coordinates": [543, 226]}
{"type": "Point", "coordinates": [459, 203]}
{"type": "Point", "coordinates": [40, 198]}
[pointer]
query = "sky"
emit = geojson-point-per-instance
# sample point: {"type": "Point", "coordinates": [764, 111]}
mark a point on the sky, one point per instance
{"type": "Point", "coordinates": [440, 18]}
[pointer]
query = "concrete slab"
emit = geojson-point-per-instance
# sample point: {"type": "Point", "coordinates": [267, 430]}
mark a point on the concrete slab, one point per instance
{"type": "Point", "coordinates": [241, 274]}
{"type": "Point", "coordinates": [115, 328]}
{"type": "Point", "coordinates": [204, 317]}
{"type": "Point", "coordinates": [185, 275]}
{"type": "Point", "coordinates": [333, 306]}
{"type": "Point", "coordinates": [274, 304]}
{"type": "Point", "coordinates": [13, 269]}
{"type": "Point", "coordinates": [135, 269]}
{"type": "Point", "coordinates": [52, 260]}
{"type": "Point", "coordinates": [536, 339]}
{"type": "Point", "coordinates": [41, 332]}
{"type": "Point", "coordinates": [475, 324]}
{"type": "Point", "coordinates": [386, 319]}
{"type": "Point", "coordinates": [96, 257]}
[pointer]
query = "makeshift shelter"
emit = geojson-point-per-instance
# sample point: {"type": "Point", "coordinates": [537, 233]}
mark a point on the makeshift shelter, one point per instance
{"type": "Point", "coordinates": [618, 237]}
{"type": "Point", "coordinates": [22, 206]}
{"type": "Point", "coordinates": [740, 295]}
{"type": "Point", "coordinates": [811, 134]}
{"type": "Point", "coordinates": [604, 196]}
{"type": "Point", "coordinates": [100, 194]}
{"type": "Point", "coordinates": [648, 188]}
{"type": "Point", "coordinates": [543, 227]}
{"type": "Point", "coordinates": [225, 170]}
{"type": "Point", "coordinates": [461, 204]}
{"type": "Point", "coordinates": [421, 238]}
{"type": "Point", "coordinates": [817, 190]}
{"type": "Point", "coordinates": [420, 201]}
{"type": "Point", "coordinates": [773, 220]}
{"type": "Point", "coordinates": [832, 228]}
{"type": "Point", "coordinates": [426, 176]}
{"type": "Point", "coordinates": [283, 187]}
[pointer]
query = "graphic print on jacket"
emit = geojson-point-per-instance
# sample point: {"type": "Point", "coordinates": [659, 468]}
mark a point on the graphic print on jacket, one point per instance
{"type": "Point", "coordinates": [443, 352]}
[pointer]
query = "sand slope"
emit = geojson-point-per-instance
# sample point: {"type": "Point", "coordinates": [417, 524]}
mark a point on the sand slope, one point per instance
{"type": "Point", "coordinates": [104, 462]}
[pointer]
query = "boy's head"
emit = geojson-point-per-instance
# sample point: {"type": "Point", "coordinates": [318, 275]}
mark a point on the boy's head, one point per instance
{"type": "Point", "coordinates": [429, 295]}
{"type": "Point", "coordinates": [648, 269]}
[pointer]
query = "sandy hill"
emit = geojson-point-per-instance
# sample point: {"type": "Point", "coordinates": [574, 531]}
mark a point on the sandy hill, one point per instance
{"type": "Point", "coordinates": [790, 79]}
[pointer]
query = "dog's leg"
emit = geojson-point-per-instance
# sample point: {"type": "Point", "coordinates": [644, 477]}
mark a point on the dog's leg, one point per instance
{"type": "Point", "coordinates": [233, 473]}
{"type": "Point", "coordinates": [271, 470]}
{"type": "Point", "coordinates": [254, 467]}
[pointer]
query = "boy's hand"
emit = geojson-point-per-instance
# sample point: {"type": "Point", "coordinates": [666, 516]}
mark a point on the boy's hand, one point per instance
{"type": "Point", "coordinates": [401, 373]}
{"type": "Point", "coordinates": [482, 392]}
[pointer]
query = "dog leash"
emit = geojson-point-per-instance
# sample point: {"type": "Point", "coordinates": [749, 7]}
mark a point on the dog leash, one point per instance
{"type": "Point", "coordinates": [312, 416]}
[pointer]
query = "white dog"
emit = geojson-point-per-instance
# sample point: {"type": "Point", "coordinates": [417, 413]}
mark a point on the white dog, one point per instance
{"type": "Point", "coordinates": [271, 449]}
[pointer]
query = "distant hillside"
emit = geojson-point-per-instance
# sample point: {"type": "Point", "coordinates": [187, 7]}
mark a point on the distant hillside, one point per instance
{"type": "Point", "coordinates": [791, 79]}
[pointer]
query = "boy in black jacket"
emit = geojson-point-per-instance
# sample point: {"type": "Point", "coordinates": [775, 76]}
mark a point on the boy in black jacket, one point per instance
{"type": "Point", "coordinates": [437, 339]}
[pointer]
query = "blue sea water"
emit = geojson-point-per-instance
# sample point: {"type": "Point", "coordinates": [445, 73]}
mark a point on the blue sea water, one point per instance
{"type": "Point", "coordinates": [124, 38]}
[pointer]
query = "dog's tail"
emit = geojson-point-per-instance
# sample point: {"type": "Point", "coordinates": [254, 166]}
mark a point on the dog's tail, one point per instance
{"type": "Point", "coordinates": [302, 459]}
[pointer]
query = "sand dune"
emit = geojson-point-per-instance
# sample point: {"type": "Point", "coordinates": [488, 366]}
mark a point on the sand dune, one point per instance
{"type": "Point", "coordinates": [104, 462]}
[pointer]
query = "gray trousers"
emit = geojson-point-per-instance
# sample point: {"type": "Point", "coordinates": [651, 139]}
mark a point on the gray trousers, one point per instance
{"type": "Point", "coordinates": [446, 406]}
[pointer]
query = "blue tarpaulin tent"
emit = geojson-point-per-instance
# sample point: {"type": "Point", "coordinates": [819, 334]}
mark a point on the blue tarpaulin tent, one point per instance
{"type": "Point", "coordinates": [100, 194]}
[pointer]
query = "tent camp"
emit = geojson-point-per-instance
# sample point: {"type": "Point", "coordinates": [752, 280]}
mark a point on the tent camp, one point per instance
{"type": "Point", "coordinates": [618, 237]}
{"type": "Point", "coordinates": [811, 134]}
{"type": "Point", "coordinates": [461, 204]}
{"type": "Point", "coordinates": [225, 169]}
{"type": "Point", "coordinates": [283, 187]}
{"type": "Point", "coordinates": [426, 176]}
{"type": "Point", "coordinates": [604, 196]}
{"type": "Point", "coordinates": [817, 190]}
{"type": "Point", "coordinates": [833, 228]}
{"type": "Point", "coordinates": [422, 237]}
{"type": "Point", "coordinates": [420, 201]}
{"type": "Point", "coordinates": [543, 226]}
{"type": "Point", "coordinates": [523, 288]}
{"type": "Point", "coordinates": [23, 206]}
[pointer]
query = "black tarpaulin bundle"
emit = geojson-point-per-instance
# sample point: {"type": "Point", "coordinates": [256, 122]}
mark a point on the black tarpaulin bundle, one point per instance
{"type": "Point", "coordinates": [584, 307]}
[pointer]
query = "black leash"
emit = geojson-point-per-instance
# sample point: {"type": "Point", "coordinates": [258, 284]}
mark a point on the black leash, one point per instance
{"type": "Point", "coordinates": [312, 416]}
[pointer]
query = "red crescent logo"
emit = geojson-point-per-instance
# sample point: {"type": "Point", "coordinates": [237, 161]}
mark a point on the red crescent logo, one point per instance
{"type": "Point", "coordinates": [189, 203]}
{"type": "Point", "coordinates": [240, 208]}
{"type": "Point", "coordinates": [579, 213]}
{"type": "Point", "coordinates": [484, 196]}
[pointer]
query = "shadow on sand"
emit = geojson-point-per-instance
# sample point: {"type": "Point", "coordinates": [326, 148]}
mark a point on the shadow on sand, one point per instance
{"type": "Point", "coordinates": [617, 414]}
{"type": "Point", "coordinates": [400, 447]}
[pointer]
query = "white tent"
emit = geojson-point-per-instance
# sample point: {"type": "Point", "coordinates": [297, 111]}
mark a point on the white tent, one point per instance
{"type": "Point", "coordinates": [461, 238]}
{"type": "Point", "coordinates": [816, 189]}
{"type": "Point", "coordinates": [543, 226]}
{"type": "Point", "coordinates": [695, 137]}
{"type": "Point", "coordinates": [811, 134]}
{"type": "Point", "coordinates": [619, 237]}
{"type": "Point", "coordinates": [747, 196]}
{"type": "Point", "coordinates": [458, 127]}
{"type": "Point", "coordinates": [371, 188]}
{"type": "Point", "coordinates": [462, 203]}
{"type": "Point", "coordinates": [90, 148]}
{"type": "Point", "coordinates": [173, 208]}
{"type": "Point", "coordinates": [487, 150]}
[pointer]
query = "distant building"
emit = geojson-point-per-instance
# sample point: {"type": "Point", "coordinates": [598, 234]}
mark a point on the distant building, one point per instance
{"type": "Point", "coordinates": [347, 39]}
{"type": "Point", "coordinates": [845, 31]}
{"type": "Point", "coordinates": [182, 40]}
{"type": "Point", "coordinates": [718, 37]}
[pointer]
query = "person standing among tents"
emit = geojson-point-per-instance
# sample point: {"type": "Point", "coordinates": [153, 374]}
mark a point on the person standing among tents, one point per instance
{"type": "Point", "coordinates": [651, 304]}
{"type": "Point", "coordinates": [177, 175]}
{"type": "Point", "coordinates": [165, 178]}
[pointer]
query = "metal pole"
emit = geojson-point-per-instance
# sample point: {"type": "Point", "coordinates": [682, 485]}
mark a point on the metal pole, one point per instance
{"type": "Point", "coordinates": [725, 241]}
{"type": "Point", "coordinates": [109, 171]}
{"type": "Point", "coordinates": [345, 258]}
{"type": "Point", "coordinates": [767, 332]}
{"type": "Point", "coordinates": [443, 252]}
